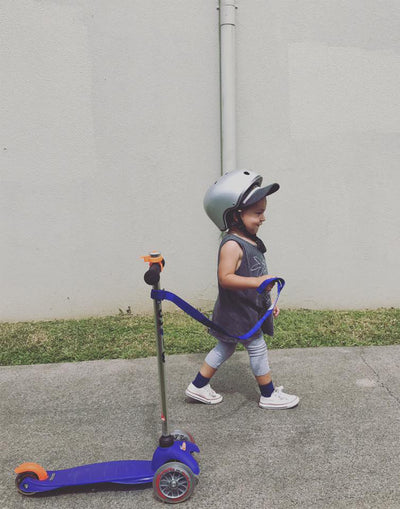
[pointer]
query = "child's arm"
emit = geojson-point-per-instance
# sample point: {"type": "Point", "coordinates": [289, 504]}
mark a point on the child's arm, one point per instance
{"type": "Point", "coordinates": [229, 261]}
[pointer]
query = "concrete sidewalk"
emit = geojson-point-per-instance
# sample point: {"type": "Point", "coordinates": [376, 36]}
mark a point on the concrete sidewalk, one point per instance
{"type": "Point", "coordinates": [340, 448]}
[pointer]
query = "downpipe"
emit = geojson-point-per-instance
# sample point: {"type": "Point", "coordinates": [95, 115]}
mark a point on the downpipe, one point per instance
{"type": "Point", "coordinates": [227, 27]}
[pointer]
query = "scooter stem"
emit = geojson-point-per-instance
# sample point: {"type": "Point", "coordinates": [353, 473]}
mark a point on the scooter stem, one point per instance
{"type": "Point", "coordinates": [152, 277]}
{"type": "Point", "coordinates": [158, 319]}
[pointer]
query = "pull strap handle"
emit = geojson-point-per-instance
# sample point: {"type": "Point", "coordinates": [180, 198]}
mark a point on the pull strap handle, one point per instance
{"type": "Point", "coordinates": [197, 315]}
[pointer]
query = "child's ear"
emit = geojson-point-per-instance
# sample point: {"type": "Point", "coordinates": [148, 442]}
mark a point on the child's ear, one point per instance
{"type": "Point", "coordinates": [238, 214]}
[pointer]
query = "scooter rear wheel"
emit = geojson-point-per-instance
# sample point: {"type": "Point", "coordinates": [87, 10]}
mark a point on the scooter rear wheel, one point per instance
{"type": "Point", "coordinates": [173, 482]}
{"type": "Point", "coordinates": [182, 435]}
{"type": "Point", "coordinates": [19, 482]}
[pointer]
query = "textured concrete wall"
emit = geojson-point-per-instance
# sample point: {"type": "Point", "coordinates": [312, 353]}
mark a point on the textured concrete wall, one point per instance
{"type": "Point", "coordinates": [110, 137]}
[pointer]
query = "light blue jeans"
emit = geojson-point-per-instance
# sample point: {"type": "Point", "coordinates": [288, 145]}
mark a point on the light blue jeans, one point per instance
{"type": "Point", "coordinates": [256, 348]}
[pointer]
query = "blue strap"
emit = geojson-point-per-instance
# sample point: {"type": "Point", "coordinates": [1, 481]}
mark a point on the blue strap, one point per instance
{"type": "Point", "coordinates": [197, 315]}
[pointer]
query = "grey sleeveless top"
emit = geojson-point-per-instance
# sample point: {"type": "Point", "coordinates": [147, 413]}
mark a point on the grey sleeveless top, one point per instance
{"type": "Point", "coordinates": [237, 311]}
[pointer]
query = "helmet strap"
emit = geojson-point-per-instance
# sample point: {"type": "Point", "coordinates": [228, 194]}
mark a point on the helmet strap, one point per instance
{"type": "Point", "coordinates": [240, 226]}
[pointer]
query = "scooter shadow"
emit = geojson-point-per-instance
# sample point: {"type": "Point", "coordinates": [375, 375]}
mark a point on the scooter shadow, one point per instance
{"type": "Point", "coordinates": [92, 488]}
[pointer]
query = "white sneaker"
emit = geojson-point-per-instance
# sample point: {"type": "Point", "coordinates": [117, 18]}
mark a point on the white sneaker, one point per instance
{"type": "Point", "coordinates": [205, 394]}
{"type": "Point", "coordinates": [278, 400]}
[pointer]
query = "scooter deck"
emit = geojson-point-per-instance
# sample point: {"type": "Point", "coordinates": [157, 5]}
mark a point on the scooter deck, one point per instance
{"type": "Point", "coordinates": [120, 472]}
{"type": "Point", "coordinates": [126, 472]}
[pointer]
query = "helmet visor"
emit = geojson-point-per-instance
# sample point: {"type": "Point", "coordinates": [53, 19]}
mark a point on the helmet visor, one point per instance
{"type": "Point", "coordinates": [257, 193]}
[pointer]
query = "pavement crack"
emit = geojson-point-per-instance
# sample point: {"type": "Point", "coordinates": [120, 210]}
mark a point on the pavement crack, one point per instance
{"type": "Point", "coordinates": [378, 379]}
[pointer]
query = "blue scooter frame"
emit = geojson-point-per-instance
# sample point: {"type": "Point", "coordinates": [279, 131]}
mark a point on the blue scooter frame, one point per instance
{"type": "Point", "coordinates": [172, 470]}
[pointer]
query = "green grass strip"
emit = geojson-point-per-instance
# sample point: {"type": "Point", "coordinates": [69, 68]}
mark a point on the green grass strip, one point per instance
{"type": "Point", "coordinates": [130, 337]}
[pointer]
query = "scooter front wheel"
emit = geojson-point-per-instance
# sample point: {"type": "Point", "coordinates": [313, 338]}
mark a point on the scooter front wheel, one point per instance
{"type": "Point", "coordinates": [19, 482]}
{"type": "Point", "coordinates": [173, 482]}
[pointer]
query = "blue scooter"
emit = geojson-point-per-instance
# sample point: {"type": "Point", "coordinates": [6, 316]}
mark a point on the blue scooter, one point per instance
{"type": "Point", "coordinates": [172, 470]}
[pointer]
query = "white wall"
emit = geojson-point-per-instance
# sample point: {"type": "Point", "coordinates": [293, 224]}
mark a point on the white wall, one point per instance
{"type": "Point", "coordinates": [319, 107]}
{"type": "Point", "coordinates": [110, 137]}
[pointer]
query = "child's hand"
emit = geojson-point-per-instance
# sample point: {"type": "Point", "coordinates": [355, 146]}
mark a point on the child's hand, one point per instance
{"type": "Point", "coordinates": [271, 285]}
{"type": "Point", "coordinates": [276, 311]}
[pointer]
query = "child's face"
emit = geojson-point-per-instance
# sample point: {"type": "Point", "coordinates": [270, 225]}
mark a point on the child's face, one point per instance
{"type": "Point", "coordinates": [253, 216]}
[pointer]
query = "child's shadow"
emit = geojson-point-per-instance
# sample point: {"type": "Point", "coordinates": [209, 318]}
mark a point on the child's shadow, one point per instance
{"type": "Point", "coordinates": [236, 376]}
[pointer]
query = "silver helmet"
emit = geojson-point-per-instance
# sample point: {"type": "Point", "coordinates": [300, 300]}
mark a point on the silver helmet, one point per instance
{"type": "Point", "coordinates": [234, 190]}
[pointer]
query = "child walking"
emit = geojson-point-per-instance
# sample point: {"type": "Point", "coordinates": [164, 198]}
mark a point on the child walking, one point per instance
{"type": "Point", "coordinates": [236, 203]}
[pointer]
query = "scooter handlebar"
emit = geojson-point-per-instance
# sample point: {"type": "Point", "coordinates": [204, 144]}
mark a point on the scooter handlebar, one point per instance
{"type": "Point", "coordinates": [152, 276]}
{"type": "Point", "coordinates": [156, 264]}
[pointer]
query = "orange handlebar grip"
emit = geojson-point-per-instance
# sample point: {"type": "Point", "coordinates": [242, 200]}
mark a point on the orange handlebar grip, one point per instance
{"type": "Point", "coordinates": [154, 257]}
